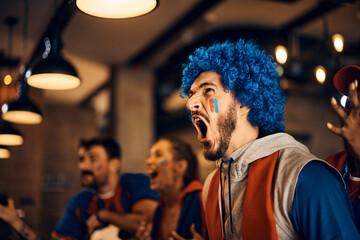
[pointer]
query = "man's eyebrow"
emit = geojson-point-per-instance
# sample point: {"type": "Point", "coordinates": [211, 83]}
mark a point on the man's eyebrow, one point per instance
{"type": "Point", "coordinates": [202, 86]}
{"type": "Point", "coordinates": [207, 84]}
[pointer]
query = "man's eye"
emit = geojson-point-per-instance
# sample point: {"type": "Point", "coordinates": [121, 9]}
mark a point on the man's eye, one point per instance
{"type": "Point", "coordinates": [207, 90]}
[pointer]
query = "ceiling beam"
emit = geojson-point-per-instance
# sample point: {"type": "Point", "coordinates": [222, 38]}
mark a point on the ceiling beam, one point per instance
{"type": "Point", "coordinates": [321, 9]}
{"type": "Point", "coordinates": [190, 16]}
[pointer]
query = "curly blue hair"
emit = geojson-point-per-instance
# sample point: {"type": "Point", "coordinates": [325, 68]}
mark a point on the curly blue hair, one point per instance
{"type": "Point", "coordinates": [250, 73]}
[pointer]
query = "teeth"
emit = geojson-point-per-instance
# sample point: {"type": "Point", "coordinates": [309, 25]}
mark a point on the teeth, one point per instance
{"type": "Point", "coordinates": [197, 120]}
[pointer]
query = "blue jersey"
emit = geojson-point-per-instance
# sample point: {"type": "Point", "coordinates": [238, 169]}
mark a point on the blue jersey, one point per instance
{"type": "Point", "coordinates": [132, 188]}
{"type": "Point", "coordinates": [191, 213]}
{"type": "Point", "coordinates": [340, 161]}
{"type": "Point", "coordinates": [321, 205]}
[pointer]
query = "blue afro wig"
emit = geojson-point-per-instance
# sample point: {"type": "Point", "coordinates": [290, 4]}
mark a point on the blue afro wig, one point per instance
{"type": "Point", "coordinates": [249, 73]}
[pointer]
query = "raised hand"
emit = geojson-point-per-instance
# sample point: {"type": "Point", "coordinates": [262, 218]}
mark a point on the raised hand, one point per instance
{"type": "Point", "coordinates": [350, 129]}
{"type": "Point", "coordinates": [8, 213]}
{"type": "Point", "coordinates": [93, 223]}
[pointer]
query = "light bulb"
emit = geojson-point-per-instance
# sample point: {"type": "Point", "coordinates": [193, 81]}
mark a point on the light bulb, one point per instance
{"type": "Point", "coordinates": [281, 54]}
{"type": "Point", "coordinates": [338, 41]}
{"type": "Point", "coordinates": [320, 74]}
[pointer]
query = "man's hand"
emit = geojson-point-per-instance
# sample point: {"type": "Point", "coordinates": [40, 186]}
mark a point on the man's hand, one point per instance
{"type": "Point", "coordinates": [8, 213]}
{"type": "Point", "coordinates": [196, 235]}
{"type": "Point", "coordinates": [93, 223]}
{"type": "Point", "coordinates": [143, 232]}
{"type": "Point", "coordinates": [350, 130]}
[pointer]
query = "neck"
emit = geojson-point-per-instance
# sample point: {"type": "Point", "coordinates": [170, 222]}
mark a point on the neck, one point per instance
{"type": "Point", "coordinates": [172, 194]}
{"type": "Point", "coordinates": [242, 135]}
{"type": "Point", "coordinates": [111, 186]}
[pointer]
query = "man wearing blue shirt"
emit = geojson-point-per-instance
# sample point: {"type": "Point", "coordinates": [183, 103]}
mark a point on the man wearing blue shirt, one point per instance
{"type": "Point", "coordinates": [109, 198]}
{"type": "Point", "coordinates": [267, 185]}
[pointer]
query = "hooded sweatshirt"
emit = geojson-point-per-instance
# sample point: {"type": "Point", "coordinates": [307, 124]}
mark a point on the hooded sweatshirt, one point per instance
{"type": "Point", "coordinates": [293, 156]}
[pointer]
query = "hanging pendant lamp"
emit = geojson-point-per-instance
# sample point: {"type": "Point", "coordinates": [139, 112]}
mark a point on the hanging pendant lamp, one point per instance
{"type": "Point", "coordinates": [116, 8]}
{"type": "Point", "coordinates": [53, 72]}
{"type": "Point", "coordinates": [4, 152]}
{"type": "Point", "coordinates": [9, 136]}
{"type": "Point", "coordinates": [22, 110]}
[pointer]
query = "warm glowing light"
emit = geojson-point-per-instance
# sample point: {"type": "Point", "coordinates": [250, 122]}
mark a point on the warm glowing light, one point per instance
{"type": "Point", "coordinates": [280, 70]}
{"type": "Point", "coordinates": [22, 117]}
{"type": "Point", "coordinates": [11, 139]}
{"type": "Point", "coordinates": [281, 54]}
{"type": "Point", "coordinates": [116, 8]}
{"type": "Point", "coordinates": [338, 41]}
{"type": "Point", "coordinates": [53, 81]}
{"type": "Point", "coordinates": [343, 101]}
{"type": "Point", "coordinates": [320, 74]}
{"type": "Point", "coordinates": [7, 79]}
{"type": "Point", "coordinates": [4, 153]}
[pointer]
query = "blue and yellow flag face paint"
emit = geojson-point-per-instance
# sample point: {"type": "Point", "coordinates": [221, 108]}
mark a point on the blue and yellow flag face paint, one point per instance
{"type": "Point", "coordinates": [214, 105]}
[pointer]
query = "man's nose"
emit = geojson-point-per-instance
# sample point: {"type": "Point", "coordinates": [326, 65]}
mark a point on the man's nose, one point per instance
{"type": "Point", "coordinates": [84, 164]}
{"type": "Point", "coordinates": [193, 104]}
{"type": "Point", "coordinates": [149, 160]}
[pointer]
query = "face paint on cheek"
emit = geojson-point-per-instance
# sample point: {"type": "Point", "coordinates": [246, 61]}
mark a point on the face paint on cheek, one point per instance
{"type": "Point", "coordinates": [98, 167]}
{"type": "Point", "coordinates": [164, 163]}
{"type": "Point", "coordinates": [214, 105]}
{"type": "Point", "coordinates": [216, 108]}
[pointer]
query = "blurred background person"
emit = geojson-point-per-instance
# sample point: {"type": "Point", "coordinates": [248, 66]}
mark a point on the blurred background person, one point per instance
{"type": "Point", "coordinates": [348, 160]}
{"type": "Point", "coordinates": [173, 170]}
{"type": "Point", "coordinates": [109, 198]}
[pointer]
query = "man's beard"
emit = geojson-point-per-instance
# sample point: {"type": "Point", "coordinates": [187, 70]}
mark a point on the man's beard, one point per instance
{"type": "Point", "coordinates": [94, 184]}
{"type": "Point", "coordinates": [226, 126]}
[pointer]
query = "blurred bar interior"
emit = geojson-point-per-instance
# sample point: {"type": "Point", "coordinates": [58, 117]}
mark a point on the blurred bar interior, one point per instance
{"type": "Point", "coordinates": [124, 74]}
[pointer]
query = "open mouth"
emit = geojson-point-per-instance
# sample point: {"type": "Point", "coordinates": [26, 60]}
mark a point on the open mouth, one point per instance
{"type": "Point", "coordinates": [201, 127]}
{"type": "Point", "coordinates": [152, 174]}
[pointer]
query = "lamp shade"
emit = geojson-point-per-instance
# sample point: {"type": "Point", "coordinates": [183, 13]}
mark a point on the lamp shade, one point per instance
{"type": "Point", "coordinates": [4, 152]}
{"type": "Point", "coordinates": [22, 111]}
{"type": "Point", "coordinates": [116, 8]}
{"type": "Point", "coordinates": [9, 136]}
{"type": "Point", "coordinates": [53, 73]}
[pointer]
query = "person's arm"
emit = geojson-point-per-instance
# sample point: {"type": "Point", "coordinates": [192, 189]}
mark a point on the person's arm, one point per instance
{"type": "Point", "coordinates": [142, 210]}
{"type": "Point", "coordinates": [10, 216]}
{"type": "Point", "coordinates": [143, 202]}
{"type": "Point", "coordinates": [321, 207]}
{"type": "Point", "coordinates": [350, 130]}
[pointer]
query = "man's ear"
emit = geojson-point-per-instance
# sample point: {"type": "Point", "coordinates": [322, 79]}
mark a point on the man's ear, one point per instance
{"type": "Point", "coordinates": [114, 165]}
{"type": "Point", "coordinates": [244, 111]}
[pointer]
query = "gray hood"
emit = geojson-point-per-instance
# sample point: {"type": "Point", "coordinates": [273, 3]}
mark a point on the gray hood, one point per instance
{"type": "Point", "coordinates": [256, 149]}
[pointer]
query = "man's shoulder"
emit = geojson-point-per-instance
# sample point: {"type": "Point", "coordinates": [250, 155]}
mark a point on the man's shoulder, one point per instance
{"type": "Point", "coordinates": [134, 181]}
{"type": "Point", "coordinates": [82, 196]}
{"type": "Point", "coordinates": [133, 178]}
